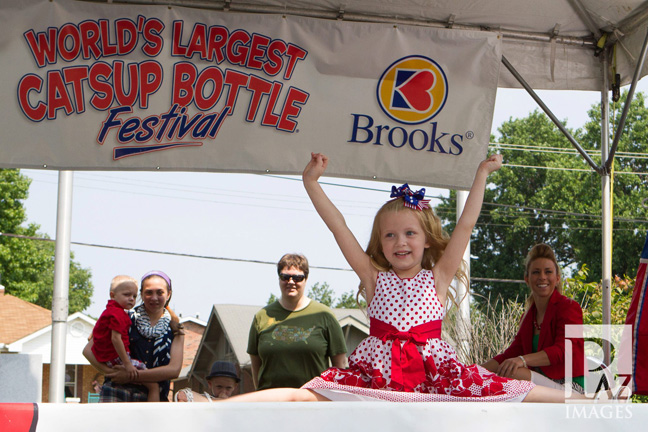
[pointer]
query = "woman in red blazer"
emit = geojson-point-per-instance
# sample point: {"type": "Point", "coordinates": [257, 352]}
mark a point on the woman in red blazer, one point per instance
{"type": "Point", "coordinates": [538, 351]}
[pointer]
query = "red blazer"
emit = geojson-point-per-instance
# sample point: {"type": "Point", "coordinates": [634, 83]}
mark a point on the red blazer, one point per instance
{"type": "Point", "coordinates": [560, 311]}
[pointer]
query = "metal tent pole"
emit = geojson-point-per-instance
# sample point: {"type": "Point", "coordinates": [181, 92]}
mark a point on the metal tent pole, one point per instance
{"type": "Point", "coordinates": [61, 287]}
{"type": "Point", "coordinates": [606, 209]}
{"type": "Point", "coordinates": [607, 156]}
{"type": "Point", "coordinates": [463, 314]}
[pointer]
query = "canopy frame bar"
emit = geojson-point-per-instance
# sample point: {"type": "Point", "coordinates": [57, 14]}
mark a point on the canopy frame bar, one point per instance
{"type": "Point", "coordinates": [628, 24]}
{"type": "Point", "coordinates": [586, 17]}
{"type": "Point", "coordinates": [551, 115]}
{"type": "Point", "coordinates": [230, 6]}
{"type": "Point", "coordinates": [606, 166]}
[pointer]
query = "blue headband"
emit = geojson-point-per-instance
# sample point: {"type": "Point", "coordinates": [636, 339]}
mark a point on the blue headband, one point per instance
{"type": "Point", "coordinates": [159, 274]}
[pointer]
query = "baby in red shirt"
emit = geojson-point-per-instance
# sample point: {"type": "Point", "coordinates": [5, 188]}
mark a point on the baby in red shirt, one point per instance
{"type": "Point", "coordinates": [110, 333]}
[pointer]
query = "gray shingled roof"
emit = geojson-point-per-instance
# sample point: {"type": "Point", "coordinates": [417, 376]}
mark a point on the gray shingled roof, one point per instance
{"type": "Point", "coordinates": [235, 321]}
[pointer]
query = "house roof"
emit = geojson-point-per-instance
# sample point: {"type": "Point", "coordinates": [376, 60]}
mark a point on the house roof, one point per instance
{"type": "Point", "coordinates": [78, 329]}
{"type": "Point", "coordinates": [235, 320]}
{"type": "Point", "coordinates": [194, 320]}
{"type": "Point", "coordinates": [354, 317]}
{"type": "Point", "coordinates": [194, 329]}
{"type": "Point", "coordinates": [19, 318]}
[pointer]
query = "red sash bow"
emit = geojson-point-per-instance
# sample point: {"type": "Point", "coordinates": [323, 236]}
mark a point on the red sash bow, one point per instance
{"type": "Point", "coordinates": [407, 368]}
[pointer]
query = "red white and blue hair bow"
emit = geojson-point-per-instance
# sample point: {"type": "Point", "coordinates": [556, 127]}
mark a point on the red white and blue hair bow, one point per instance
{"type": "Point", "coordinates": [413, 200]}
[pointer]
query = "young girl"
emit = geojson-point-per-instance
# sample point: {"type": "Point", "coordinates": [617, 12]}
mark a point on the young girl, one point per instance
{"type": "Point", "coordinates": [406, 271]}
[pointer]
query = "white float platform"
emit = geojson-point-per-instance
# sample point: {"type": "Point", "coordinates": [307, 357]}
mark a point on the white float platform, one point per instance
{"type": "Point", "coordinates": [329, 416]}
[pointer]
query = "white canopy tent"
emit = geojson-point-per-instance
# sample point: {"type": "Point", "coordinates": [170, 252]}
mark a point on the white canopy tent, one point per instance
{"type": "Point", "coordinates": [554, 45]}
{"type": "Point", "coordinates": [558, 45]}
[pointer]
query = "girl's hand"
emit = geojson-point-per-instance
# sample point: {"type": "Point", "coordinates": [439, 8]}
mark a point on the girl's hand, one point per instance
{"type": "Point", "coordinates": [315, 167]}
{"type": "Point", "coordinates": [493, 163]}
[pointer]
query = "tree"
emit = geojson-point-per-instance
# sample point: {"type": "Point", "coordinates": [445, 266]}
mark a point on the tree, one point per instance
{"type": "Point", "coordinates": [324, 294]}
{"type": "Point", "coordinates": [547, 193]}
{"type": "Point", "coordinates": [27, 265]}
{"type": "Point", "coordinates": [273, 298]}
{"type": "Point", "coordinates": [348, 301]}
{"type": "Point", "coordinates": [321, 293]}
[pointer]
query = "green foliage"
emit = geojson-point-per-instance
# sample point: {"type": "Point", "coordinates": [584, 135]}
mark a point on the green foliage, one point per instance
{"type": "Point", "coordinates": [273, 298]}
{"type": "Point", "coordinates": [348, 301]}
{"type": "Point", "coordinates": [324, 294]}
{"type": "Point", "coordinates": [524, 206]}
{"type": "Point", "coordinates": [590, 297]}
{"type": "Point", "coordinates": [26, 265]}
{"type": "Point", "coordinates": [321, 293]}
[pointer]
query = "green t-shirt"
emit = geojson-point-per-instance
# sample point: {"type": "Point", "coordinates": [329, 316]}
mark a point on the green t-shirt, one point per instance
{"type": "Point", "coordinates": [294, 346]}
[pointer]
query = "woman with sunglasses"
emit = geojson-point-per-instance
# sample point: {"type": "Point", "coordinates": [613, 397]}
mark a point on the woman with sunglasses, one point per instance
{"type": "Point", "coordinates": [292, 340]}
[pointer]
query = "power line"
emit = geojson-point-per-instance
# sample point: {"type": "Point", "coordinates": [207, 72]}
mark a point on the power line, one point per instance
{"type": "Point", "coordinates": [549, 226]}
{"type": "Point", "coordinates": [562, 150]}
{"type": "Point", "coordinates": [520, 210]}
{"type": "Point", "coordinates": [572, 169]}
{"type": "Point", "coordinates": [478, 279]}
{"type": "Point", "coordinates": [209, 257]}
{"type": "Point", "coordinates": [180, 254]}
{"type": "Point", "coordinates": [251, 199]}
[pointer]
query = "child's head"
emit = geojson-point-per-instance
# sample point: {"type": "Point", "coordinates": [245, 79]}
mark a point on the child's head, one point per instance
{"type": "Point", "coordinates": [436, 238]}
{"type": "Point", "coordinates": [123, 290]}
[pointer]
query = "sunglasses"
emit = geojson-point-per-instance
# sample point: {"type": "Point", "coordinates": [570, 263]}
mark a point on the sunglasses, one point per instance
{"type": "Point", "coordinates": [286, 277]}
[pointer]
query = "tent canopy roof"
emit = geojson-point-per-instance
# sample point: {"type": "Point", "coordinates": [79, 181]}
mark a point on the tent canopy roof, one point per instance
{"type": "Point", "coordinates": [552, 44]}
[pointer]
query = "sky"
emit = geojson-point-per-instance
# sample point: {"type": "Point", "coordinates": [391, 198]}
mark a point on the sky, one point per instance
{"type": "Point", "coordinates": [219, 236]}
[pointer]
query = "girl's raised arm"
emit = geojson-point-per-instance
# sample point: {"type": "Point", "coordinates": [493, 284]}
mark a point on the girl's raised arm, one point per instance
{"type": "Point", "coordinates": [351, 249]}
{"type": "Point", "coordinates": [446, 268]}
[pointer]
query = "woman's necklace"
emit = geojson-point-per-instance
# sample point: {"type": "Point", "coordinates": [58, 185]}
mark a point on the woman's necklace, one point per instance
{"type": "Point", "coordinates": [535, 323]}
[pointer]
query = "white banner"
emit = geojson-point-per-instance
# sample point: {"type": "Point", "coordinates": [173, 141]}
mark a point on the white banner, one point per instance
{"type": "Point", "coordinates": [118, 87]}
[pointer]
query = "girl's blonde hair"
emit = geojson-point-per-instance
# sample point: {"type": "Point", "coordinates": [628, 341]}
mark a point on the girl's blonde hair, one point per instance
{"type": "Point", "coordinates": [435, 236]}
{"type": "Point", "coordinates": [120, 280]}
{"type": "Point", "coordinates": [541, 250]}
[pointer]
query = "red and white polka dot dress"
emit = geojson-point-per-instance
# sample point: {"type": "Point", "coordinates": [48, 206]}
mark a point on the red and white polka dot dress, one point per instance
{"type": "Point", "coordinates": [403, 304]}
